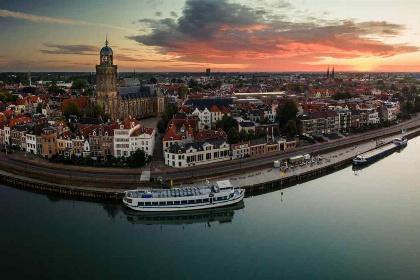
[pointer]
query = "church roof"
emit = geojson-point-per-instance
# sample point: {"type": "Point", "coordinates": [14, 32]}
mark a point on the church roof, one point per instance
{"type": "Point", "coordinates": [135, 92]}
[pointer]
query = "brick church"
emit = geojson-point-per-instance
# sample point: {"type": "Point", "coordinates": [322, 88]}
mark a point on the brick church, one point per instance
{"type": "Point", "coordinates": [123, 102]}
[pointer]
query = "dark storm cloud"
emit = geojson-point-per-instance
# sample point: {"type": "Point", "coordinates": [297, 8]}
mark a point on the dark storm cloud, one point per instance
{"type": "Point", "coordinates": [220, 26]}
{"type": "Point", "coordinates": [70, 49]}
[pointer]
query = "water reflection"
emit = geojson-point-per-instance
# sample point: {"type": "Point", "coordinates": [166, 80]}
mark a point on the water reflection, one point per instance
{"type": "Point", "coordinates": [207, 216]}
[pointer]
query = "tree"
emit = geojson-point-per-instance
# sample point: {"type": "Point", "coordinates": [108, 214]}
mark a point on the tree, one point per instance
{"type": "Point", "coordinates": [393, 87]}
{"type": "Point", "coordinates": [243, 135]}
{"type": "Point", "coordinates": [167, 114]}
{"type": "Point", "coordinates": [296, 88]}
{"type": "Point", "coordinates": [39, 108]}
{"type": "Point", "coordinates": [79, 84]}
{"type": "Point", "coordinates": [72, 109]}
{"type": "Point", "coordinates": [287, 111]}
{"type": "Point", "coordinates": [233, 136]}
{"type": "Point", "coordinates": [197, 89]}
{"type": "Point", "coordinates": [137, 159]}
{"type": "Point", "coordinates": [161, 126]}
{"type": "Point", "coordinates": [95, 111]}
{"type": "Point", "coordinates": [192, 83]}
{"type": "Point", "coordinates": [183, 92]}
{"type": "Point", "coordinates": [341, 95]}
{"type": "Point", "coordinates": [153, 80]}
{"type": "Point", "coordinates": [226, 123]}
{"type": "Point", "coordinates": [291, 128]}
{"type": "Point", "coordinates": [405, 89]}
{"type": "Point", "coordinates": [276, 131]}
{"type": "Point", "coordinates": [173, 80]}
{"type": "Point", "coordinates": [251, 134]}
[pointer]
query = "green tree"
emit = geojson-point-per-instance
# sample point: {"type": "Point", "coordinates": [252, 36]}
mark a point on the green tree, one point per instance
{"type": "Point", "coordinates": [405, 89]}
{"type": "Point", "coordinates": [153, 80]}
{"type": "Point", "coordinates": [393, 87]}
{"type": "Point", "coordinates": [287, 111]}
{"type": "Point", "coordinates": [233, 136]}
{"type": "Point", "coordinates": [291, 128]}
{"type": "Point", "coordinates": [251, 134]}
{"type": "Point", "coordinates": [95, 111]}
{"type": "Point", "coordinates": [167, 114]}
{"type": "Point", "coordinates": [161, 126]}
{"type": "Point", "coordinates": [197, 89]}
{"type": "Point", "coordinates": [79, 84]}
{"type": "Point", "coordinates": [341, 95]}
{"type": "Point", "coordinates": [192, 83]}
{"type": "Point", "coordinates": [243, 135]}
{"type": "Point", "coordinates": [72, 109]}
{"type": "Point", "coordinates": [276, 131]}
{"type": "Point", "coordinates": [183, 92]}
{"type": "Point", "coordinates": [137, 159]}
{"type": "Point", "coordinates": [173, 80]}
{"type": "Point", "coordinates": [226, 123]}
{"type": "Point", "coordinates": [39, 108]}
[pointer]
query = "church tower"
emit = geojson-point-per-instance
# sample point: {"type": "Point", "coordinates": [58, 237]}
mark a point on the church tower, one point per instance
{"type": "Point", "coordinates": [106, 83]}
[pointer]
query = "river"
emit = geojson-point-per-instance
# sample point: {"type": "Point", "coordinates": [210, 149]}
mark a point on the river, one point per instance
{"type": "Point", "coordinates": [362, 224]}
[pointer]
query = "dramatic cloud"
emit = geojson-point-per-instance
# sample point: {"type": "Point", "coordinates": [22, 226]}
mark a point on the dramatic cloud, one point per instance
{"type": "Point", "coordinates": [213, 31]}
{"type": "Point", "coordinates": [44, 19]}
{"type": "Point", "coordinates": [70, 49]}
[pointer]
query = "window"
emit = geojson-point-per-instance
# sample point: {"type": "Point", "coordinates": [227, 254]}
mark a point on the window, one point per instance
{"type": "Point", "coordinates": [140, 204]}
{"type": "Point", "coordinates": [184, 202]}
{"type": "Point", "coordinates": [206, 200]}
{"type": "Point", "coordinates": [155, 203]}
{"type": "Point", "coordinates": [177, 202]}
{"type": "Point", "coordinates": [198, 201]}
{"type": "Point", "coordinates": [148, 203]}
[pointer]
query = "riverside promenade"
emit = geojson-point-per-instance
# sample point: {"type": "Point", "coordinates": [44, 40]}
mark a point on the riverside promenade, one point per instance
{"type": "Point", "coordinates": [253, 173]}
{"type": "Point", "coordinates": [272, 177]}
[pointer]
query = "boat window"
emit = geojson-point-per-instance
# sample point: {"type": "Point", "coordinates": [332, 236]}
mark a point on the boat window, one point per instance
{"type": "Point", "coordinates": [225, 197]}
{"type": "Point", "coordinates": [219, 198]}
{"type": "Point", "coordinates": [170, 203]}
{"type": "Point", "coordinates": [191, 201]}
{"type": "Point", "coordinates": [206, 200]}
{"type": "Point", "coordinates": [140, 204]}
{"type": "Point", "coordinates": [198, 201]}
{"type": "Point", "coordinates": [155, 203]}
{"type": "Point", "coordinates": [177, 202]}
{"type": "Point", "coordinates": [148, 203]}
{"type": "Point", "coordinates": [162, 203]}
{"type": "Point", "coordinates": [183, 201]}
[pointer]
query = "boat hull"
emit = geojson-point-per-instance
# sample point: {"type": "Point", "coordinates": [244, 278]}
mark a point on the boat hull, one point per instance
{"type": "Point", "coordinates": [179, 208]}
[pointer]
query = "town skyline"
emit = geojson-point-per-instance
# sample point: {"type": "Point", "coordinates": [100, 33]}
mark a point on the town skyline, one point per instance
{"type": "Point", "coordinates": [226, 36]}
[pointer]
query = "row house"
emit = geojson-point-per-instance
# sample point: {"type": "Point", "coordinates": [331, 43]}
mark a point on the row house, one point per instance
{"type": "Point", "coordinates": [250, 148]}
{"type": "Point", "coordinates": [197, 153]}
{"type": "Point", "coordinates": [389, 111]}
{"type": "Point", "coordinates": [181, 130]}
{"type": "Point", "coordinates": [344, 119]}
{"type": "Point", "coordinates": [49, 142]}
{"type": "Point", "coordinates": [131, 136]}
{"type": "Point", "coordinates": [317, 123]}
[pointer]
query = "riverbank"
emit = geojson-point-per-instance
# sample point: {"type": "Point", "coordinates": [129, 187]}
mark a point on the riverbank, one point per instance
{"type": "Point", "coordinates": [265, 178]}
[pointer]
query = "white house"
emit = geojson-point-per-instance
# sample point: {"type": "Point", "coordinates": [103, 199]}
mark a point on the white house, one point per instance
{"type": "Point", "coordinates": [198, 153]}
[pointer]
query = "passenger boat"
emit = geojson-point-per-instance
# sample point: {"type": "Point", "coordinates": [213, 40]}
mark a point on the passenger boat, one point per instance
{"type": "Point", "coordinates": [183, 199]}
{"type": "Point", "coordinates": [380, 152]}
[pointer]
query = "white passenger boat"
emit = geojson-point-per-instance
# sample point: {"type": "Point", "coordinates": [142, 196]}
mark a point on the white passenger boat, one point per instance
{"type": "Point", "coordinates": [182, 199]}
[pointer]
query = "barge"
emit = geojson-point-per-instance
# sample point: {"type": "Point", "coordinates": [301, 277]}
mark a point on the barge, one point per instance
{"type": "Point", "coordinates": [380, 152]}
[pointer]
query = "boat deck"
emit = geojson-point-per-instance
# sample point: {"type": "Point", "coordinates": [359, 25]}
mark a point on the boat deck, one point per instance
{"type": "Point", "coordinates": [176, 192]}
{"type": "Point", "coordinates": [378, 150]}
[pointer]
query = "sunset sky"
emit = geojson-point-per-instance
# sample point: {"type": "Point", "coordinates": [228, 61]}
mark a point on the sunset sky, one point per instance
{"type": "Point", "coordinates": [224, 35]}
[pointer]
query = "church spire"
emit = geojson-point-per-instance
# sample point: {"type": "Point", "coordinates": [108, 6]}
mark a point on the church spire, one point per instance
{"type": "Point", "coordinates": [106, 40]}
{"type": "Point", "coordinates": [328, 72]}
{"type": "Point", "coordinates": [333, 72]}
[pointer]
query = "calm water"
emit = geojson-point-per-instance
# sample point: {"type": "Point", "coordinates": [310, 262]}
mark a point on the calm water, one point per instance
{"type": "Point", "coordinates": [347, 225]}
